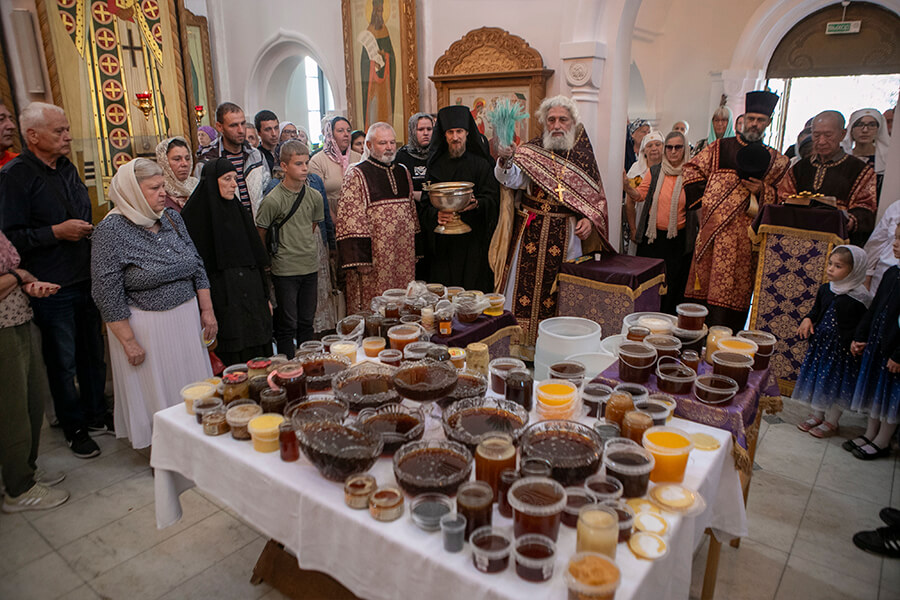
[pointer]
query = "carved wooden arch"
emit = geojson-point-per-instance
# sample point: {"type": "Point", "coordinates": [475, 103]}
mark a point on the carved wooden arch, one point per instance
{"type": "Point", "coordinates": [492, 57]}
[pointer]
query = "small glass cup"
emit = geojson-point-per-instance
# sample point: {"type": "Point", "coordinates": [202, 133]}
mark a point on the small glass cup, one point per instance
{"type": "Point", "coordinates": [453, 530]}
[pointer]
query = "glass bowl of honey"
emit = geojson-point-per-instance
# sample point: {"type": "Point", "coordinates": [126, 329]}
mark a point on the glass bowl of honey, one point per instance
{"type": "Point", "coordinates": [337, 450]}
{"type": "Point", "coordinates": [320, 369]}
{"type": "Point", "coordinates": [573, 450]}
{"type": "Point", "coordinates": [467, 420]}
{"type": "Point", "coordinates": [364, 385]}
{"type": "Point", "coordinates": [426, 466]}
{"type": "Point", "coordinates": [395, 423]}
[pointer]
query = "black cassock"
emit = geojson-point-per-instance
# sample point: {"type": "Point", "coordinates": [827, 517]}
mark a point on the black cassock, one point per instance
{"type": "Point", "coordinates": [462, 260]}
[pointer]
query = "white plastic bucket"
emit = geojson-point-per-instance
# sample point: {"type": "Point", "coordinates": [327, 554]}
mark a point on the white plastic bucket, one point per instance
{"type": "Point", "coordinates": [560, 337]}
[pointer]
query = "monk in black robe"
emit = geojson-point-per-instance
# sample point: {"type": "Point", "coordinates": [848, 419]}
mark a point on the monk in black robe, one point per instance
{"type": "Point", "coordinates": [458, 152]}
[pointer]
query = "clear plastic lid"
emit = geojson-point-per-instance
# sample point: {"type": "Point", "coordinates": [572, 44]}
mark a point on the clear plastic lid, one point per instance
{"type": "Point", "coordinates": [537, 496]}
{"type": "Point", "coordinates": [240, 412]}
{"type": "Point", "coordinates": [592, 574]}
{"type": "Point", "coordinates": [615, 458]}
{"type": "Point", "coordinates": [489, 531]}
{"type": "Point", "coordinates": [690, 309]}
{"type": "Point", "coordinates": [534, 539]}
{"type": "Point", "coordinates": [619, 505]}
{"type": "Point", "coordinates": [578, 492]}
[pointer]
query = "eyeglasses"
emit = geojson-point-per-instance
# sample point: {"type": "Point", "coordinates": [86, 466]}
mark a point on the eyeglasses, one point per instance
{"type": "Point", "coordinates": [674, 147]}
{"type": "Point", "coordinates": [866, 125]}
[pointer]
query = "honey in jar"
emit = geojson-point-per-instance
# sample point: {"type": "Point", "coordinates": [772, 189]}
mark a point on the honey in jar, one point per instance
{"type": "Point", "coordinates": [495, 453]}
{"type": "Point", "coordinates": [634, 424]}
{"type": "Point", "coordinates": [237, 386]}
{"type": "Point", "coordinates": [292, 378]}
{"type": "Point", "coordinates": [474, 500]}
{"type": "Point", "coordinates": [401, 335]}
{"type": "Point", "coordinates": [373, 345]}
{"type": "Point", "coordinates": [618, 404]}
{"type": "Point", "coordinates": [637, 333]}
{"type": "Point", "coordinates": [538, 505]}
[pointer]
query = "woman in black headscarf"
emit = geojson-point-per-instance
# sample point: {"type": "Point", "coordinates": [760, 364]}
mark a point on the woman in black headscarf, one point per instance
{"type": "Point", "coordinates": [235, 259]}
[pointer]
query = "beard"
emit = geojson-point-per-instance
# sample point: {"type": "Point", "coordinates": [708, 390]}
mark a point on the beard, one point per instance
{"type": "Point", "coordinates": [559, 142]}
{"type": "Point", "coordinates": [752, 135]}
{"type": "Point", "coordinates": [457, 151]}
{"type": "Point", "coordinates": [386, 157]}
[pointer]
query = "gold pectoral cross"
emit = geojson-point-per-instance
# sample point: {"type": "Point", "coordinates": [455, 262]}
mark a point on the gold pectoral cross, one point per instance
{"type": "Point", "coordinates": [559, 190]}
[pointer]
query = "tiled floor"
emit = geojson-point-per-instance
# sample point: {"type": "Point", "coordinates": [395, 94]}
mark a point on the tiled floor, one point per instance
{"type": "Point", "coordinates": [807, 498]}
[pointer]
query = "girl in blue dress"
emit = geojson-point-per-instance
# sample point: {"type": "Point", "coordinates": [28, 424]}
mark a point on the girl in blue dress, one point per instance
{"type": "Point", "coordinates": [877, 339]}
{"type": "Point", "coordinates": [829, 372]}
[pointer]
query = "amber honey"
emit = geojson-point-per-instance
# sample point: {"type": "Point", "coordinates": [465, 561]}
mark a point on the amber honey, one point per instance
{"type": "Point", "coordinates": [494, 454]}
{"type": "Point", "coordinates": [618, 404]}
{"type": "Point", "coordinates": [636, 361]}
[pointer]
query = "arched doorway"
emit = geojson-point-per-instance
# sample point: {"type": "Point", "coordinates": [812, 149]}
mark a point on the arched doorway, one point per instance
{"type": "Point", "coordinates": [293, 80]}
{"type": "Point", "coordinates": [815, 71]}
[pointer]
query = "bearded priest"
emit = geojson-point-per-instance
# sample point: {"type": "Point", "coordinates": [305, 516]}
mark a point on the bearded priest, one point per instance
{"type": "Point", "coordinates": [559, 212]}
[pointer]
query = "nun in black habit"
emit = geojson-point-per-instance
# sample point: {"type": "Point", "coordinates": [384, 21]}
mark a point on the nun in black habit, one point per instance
{"type": "Point", "coordinates": [235, 258]}
{"type": "Point", "coordinates": [461, 260]}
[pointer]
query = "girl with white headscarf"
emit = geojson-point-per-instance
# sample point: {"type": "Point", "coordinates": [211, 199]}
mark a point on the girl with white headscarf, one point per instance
{"type": "Point", "coordinates": [152, 291]}
{"type": "Point", "coordinates": [174, 158]}
{"type": "Point", "coordinates": [829, 372]}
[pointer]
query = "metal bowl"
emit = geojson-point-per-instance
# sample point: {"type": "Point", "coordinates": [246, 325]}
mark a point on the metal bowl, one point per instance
{"type": "Point", "coordinates": [450, 196]}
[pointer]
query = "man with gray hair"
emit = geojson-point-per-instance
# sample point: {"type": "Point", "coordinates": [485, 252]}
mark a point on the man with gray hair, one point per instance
{"type": "Point", "coordinates": [45, 211]}
{"type": "Point", "coordinates": [376, 224]}
{"type": "Point", "coordinates": [832, 172]}
{"type": "Point", "coordinates": [560, 212]}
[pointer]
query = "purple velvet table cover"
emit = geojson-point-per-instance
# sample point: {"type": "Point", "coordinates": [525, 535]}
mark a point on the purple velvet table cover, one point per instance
{"type": "Point", "coordinates": [617, 269]}
{"type": "Point", "coordinates": [466, 333]}
{"type": "Point", "coordinates": [738, 416]}
{"type": "Point", "coordinates": [801, 217]}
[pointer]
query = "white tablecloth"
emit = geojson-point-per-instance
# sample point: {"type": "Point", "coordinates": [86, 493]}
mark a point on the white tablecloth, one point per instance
{"type": "Point", "coordinates": [292, 503]}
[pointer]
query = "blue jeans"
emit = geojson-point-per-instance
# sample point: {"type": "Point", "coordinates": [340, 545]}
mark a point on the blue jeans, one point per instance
{"type": "Point", "coordinates": [72, 346]}
{"type": "Point", "coordinates": [297, 298]}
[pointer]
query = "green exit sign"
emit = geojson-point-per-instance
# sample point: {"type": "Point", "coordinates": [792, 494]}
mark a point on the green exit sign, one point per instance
{"type": "Point", "coordinates": [842, 27]}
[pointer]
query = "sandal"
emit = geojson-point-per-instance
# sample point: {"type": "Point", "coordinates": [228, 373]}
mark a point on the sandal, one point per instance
{"type": "Point", "coordinates": [809, 423]}
{"type": "Point", "coordinates": [823, 430]}
{"type": "Point", "coordinates": [884, 541]}
{"type": "Point", "coordinates": [879, 452]}
{"type": "Point", "coordinates": [849, 445]}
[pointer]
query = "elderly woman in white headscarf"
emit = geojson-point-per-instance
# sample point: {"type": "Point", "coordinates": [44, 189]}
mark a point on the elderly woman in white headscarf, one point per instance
{"type": "Point", "coordinates": [663, 227]}
{"type": "Point", "coordinates": [651, 154]}
{"type": "Point", "coordinates": [174, 158]}
{"type": "Point", "coordinates": [868, 139]}
{"type": "Point", "coordinates": [153, 293]}
{"type": "Point", "coordinates": [288, 131]}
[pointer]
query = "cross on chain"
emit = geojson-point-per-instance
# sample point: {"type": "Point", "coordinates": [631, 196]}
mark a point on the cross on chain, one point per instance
{"type": "Point", "coordinates": [131, 48]}
{"type": "Point", "coordinates": [559, 189]}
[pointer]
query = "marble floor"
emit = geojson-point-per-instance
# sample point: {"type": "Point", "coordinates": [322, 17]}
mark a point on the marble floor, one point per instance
{"type": "Point", "coordinates": [806, 500]}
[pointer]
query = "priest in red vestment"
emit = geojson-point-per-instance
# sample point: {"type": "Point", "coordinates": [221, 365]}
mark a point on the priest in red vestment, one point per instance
{"type": "Point", "coordinates": [560, 212]}
{"type": "Point", "coordinates": [723, 269]}
{"type": "Point", "coordinates": [376, 222]}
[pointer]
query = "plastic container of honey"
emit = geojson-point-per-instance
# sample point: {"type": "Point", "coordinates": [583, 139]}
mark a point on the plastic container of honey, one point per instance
{"type": "Point", "coordinates": [373, 345]}
{"type": "Point", "coordinates": [691, 316]}
{"type": "Point", "coordinates": [733, 364]}
{"type": "Point", "coordinates": [264, 431]}
{"type": "Point", "coordinates": [592, 576]}
{"type": "Point", "coordinates": [716, 333]}
{"type": "Point", "coordinates": [636, 361]}
{"type": "Point", "coordinates": [670, 448]}
{"type": "Point", "coordinates": [765, 343]}
{"type": "Point", "coordinates": [239, 415]}
{"type": "Point", "coordinates": [346, 348]}
{"type": "Point", "coordinates": [193, 392]}
{"type": "Point", "coordinates": [556, 399]}
{"type": "Point", "coordinates": [741, 345]}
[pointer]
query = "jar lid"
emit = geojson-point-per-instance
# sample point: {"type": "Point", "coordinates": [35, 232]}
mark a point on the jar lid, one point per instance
{"type": "Point", "coordinates": [233, 378]}
{"type": "Point", "coordinates": [611, 460]}
{"type": "Point", "coordinates": [540, 497]}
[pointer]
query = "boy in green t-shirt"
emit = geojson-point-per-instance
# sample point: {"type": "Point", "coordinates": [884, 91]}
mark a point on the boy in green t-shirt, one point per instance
{"type": "Point", "coordinates": [295, 265]}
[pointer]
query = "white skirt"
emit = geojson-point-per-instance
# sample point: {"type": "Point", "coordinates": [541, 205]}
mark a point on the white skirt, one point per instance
{"type": "Point", "coordinates": [175, 357]}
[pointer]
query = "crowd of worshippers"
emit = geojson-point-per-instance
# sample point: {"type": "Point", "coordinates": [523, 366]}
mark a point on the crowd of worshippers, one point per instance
{"type": "Point", "coordinates": [253, 239]}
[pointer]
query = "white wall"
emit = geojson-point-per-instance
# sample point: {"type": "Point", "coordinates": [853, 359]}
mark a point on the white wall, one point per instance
{"type": "Point", "coordinates": [251, 39]}
{"type": "Point", "coordinates": [681, 48]}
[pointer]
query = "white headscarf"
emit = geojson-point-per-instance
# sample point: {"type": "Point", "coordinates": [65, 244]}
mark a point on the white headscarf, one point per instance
{"type": "Point", "coordinates": [641, 166]}
{"type": "Point", "coordinates": [180, 191]}
{"type": "Point", "coordinates": [854, 284]}
{"type": "Point", "coordinates": [281, 127]}
{"type": "Point", "coordinates": [882, 140]}
{"type": "Point", "coordinates": [126, 194]}
{"type": "Point", "coordinates": [880, 247]}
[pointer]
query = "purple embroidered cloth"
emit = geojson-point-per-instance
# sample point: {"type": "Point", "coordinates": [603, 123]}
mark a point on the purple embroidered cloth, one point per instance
{"type": "Point", "coordinates": [467, 333]}
{"type": "Point", "coordinates": [798, 217]}
{"type": "Point", "coordinates": [738, 416]}
{"type": "Point", "coordinates": [617, 269]}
